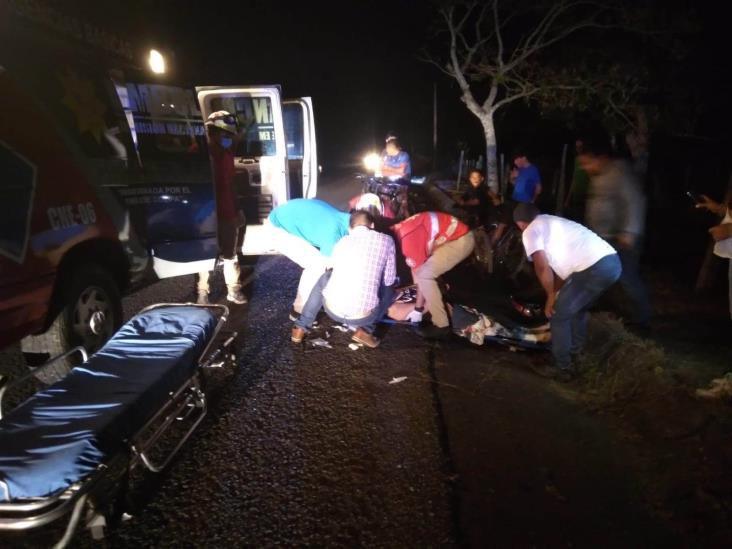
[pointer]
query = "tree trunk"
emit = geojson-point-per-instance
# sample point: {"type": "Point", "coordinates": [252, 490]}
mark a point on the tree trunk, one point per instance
{"type": "Point", "coordinates": [491, 162]}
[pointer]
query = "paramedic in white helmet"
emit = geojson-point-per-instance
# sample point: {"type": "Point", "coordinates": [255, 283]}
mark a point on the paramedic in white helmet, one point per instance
{"type": "Point", "coordinates": [222, 131]}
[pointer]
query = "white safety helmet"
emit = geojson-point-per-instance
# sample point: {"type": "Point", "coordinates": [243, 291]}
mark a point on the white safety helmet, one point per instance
{"type": "Point", "coordinates": [371, 203]}
{"type": "Point", "coordinates": [224, 121]}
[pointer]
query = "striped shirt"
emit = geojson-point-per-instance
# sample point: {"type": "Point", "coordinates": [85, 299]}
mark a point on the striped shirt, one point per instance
{"type": "Point", "coordinates": [362, 262]}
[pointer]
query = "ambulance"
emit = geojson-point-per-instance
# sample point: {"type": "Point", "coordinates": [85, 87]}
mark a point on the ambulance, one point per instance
{"type": "Point", "coordinates": [105, 181]}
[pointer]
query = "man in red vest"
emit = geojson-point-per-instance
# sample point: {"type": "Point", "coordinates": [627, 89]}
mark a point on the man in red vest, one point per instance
{"type": "Point", "coordinates": [433, 243]}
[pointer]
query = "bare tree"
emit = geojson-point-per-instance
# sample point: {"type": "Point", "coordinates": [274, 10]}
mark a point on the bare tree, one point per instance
{"type": "Point", "coordinates": [494, 53]}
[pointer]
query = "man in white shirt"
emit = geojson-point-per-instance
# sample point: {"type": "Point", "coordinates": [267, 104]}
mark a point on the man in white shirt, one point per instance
{"type": "Point", "coordinates": [358, 290]}
{"type": "Point", "coordinates": [575, 267]}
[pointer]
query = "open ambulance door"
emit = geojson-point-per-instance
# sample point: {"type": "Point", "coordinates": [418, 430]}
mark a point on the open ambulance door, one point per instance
{"type": "Point", "coordinates": [302, 153]}
{"type": "Point", "coordinates": [261, 170]}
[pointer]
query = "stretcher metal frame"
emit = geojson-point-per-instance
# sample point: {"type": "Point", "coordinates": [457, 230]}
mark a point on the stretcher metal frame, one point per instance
{"type": "Point", "coordinates": [188, 402]}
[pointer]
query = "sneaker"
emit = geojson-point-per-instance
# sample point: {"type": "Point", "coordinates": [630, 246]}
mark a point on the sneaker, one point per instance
{"type": "Point", "coordinates": [365, 338]}
{"type": "Point", "coordinates": [298, 334]}
{"type": "Point", "coordinates": [202, 298]}
{"type": "Point", "coordinates": [236, 297]}
{"type": "Point", "coordinates": [434, 332]}
{"type": "Point", "coordinates": [294, 315]}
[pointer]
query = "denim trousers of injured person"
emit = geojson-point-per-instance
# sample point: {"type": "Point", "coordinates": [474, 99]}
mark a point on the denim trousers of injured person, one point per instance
{"type": "Point", "coordinates": [571, 309]}
{"type": "Point", "coordinates": [315, 302]}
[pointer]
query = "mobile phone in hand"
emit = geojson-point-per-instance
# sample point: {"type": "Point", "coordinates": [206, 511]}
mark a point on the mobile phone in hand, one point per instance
{"type": "Point", "coordinates": [695, 197]}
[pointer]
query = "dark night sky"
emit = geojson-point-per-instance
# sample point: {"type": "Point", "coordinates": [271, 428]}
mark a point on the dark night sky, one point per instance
{"type": "Point", "coordinates": [359, 61]}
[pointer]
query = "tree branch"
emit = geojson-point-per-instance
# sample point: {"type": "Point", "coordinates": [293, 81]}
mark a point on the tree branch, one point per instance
{"type": "Point", "coordinates": [499, 38]}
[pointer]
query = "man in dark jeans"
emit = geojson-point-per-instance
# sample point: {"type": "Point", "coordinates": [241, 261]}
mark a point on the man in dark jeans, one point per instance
{"type": "Point", "coordinates": [358, 290]}
{"type": "Point", "coordinates": [575, 267]}
{"type": "Point", "coordinates": [616, 210]}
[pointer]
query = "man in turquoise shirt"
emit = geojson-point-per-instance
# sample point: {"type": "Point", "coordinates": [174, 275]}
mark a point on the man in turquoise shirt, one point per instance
{"type": "Point", "coordinates": [305, 231]}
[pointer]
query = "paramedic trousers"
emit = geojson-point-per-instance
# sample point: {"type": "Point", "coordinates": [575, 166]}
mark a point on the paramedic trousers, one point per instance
{"type": "Point", "coordinates": [315, 302]}
{"type": "Point", "coordinates": [443, 258]}
{"type": "Point", "coordinates": [306, 255]}
{"type": "Point", "coordinates": [231, 239]}
{"type": "Point", "coordinates": [571, 310]}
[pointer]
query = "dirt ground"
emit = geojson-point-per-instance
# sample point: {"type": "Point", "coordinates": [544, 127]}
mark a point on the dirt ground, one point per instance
{"type": "Point", "coordinates": [627, 455]}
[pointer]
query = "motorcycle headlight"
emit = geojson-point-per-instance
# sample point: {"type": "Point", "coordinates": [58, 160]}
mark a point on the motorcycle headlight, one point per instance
{"type": "Point", "coordinates": [371, 161]}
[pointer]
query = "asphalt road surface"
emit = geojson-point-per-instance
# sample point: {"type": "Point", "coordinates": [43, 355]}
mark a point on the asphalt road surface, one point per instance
{"type": "Point", "coordinates": [314, 446]}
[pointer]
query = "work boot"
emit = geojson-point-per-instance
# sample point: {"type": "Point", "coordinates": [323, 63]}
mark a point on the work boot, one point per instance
{"type": "Point", "coordinates": [365, 338]}
{"type": "Point", "coordinates": [202, 298]}
{"type": "Point", "coordinates": [434, 332]}
{"type": "Point", "coordinates": [236, 297]}
{"type": "Point", "coordinates": [298, 334]}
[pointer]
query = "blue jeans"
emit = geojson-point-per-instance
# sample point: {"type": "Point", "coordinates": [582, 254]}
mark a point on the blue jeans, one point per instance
{"type": "Point", "coordinates": [580, 291]}
{"type": "Point", "coordinates": [315, 303]}
{"type": "Point", "coordinates": [632, 283]}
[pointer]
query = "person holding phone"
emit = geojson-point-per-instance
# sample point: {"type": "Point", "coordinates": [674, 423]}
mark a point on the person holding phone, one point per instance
{"type": "Point", "coordinates": [722, 233]}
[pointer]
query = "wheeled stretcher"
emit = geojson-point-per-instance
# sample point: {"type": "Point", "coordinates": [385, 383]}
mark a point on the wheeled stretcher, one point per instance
{"type": "Point", "coordinates": [64, 448]}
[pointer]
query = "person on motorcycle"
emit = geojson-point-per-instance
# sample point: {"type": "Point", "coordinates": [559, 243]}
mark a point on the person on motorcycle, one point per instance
{"type": "Point", "coordinates": [223, 132]}
{"type": "Point", "coordinates": [395, 163]}
{"type": "Point", "coordinates": [432, 244]}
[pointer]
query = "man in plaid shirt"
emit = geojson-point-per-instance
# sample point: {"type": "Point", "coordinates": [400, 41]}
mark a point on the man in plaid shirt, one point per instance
{"type": "Point", "coordinates": [358, 290]}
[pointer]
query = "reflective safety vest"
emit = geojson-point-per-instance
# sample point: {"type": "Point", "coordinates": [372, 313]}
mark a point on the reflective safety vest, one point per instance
{"type": "Point", "coordinates": [420, 234]}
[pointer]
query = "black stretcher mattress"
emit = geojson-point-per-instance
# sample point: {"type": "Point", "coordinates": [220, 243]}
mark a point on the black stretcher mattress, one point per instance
{"type": "Point", "coordinates": [60, 435]}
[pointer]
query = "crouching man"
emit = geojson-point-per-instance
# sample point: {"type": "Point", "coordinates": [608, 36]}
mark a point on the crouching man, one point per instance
{"type": "Point", "coordinates": [433, 243]}
{"type": "Point", "coordinates": [305, 230]}
{"type": "Point", "coordinates": [359, 288]}
{"type": "Point", "coordinates": [575, 267]}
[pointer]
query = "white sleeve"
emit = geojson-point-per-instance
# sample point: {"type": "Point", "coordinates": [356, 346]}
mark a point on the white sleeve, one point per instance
{"type": "Point", "coordinates": [533, 239]}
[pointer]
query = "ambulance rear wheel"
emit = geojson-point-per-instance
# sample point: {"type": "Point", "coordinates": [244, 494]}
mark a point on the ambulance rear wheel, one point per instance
{"type": "Point", "coordinates": [91, 313]}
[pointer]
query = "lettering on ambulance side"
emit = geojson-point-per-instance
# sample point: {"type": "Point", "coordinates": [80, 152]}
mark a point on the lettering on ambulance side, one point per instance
{"type": "Point", "coordinates": [70, 215]}
{"type": "Point", "coordinates": [263, 115]}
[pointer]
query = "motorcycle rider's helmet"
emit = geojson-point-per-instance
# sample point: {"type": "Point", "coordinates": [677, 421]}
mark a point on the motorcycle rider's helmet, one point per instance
{"type": "Point", "coordinates": [224, 121]}
{"type": "Point", "coordinates": [371, 203]}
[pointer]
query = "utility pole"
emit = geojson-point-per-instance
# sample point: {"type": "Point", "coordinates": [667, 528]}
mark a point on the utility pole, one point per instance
{"type": "Point", "coordinates": [434, 126]}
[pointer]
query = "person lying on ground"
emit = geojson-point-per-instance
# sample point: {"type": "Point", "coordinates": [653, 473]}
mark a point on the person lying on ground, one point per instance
{"type": "Point", "coordinates": [306, 231]}
{"type": "Point", "coordinates": [359, 287]}
{"type": "Point", "coordinates": [433, 243]}
{"type": "Point", "coordinates": [575, 267]}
